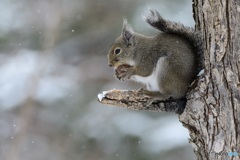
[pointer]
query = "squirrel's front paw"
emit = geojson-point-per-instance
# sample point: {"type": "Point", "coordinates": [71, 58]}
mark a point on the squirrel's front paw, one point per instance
{"type": "Point", "coordinates": [123, 73]}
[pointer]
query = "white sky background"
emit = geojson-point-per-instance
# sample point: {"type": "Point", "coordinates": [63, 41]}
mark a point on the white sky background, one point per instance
{"type": "Point", "coordinates": [55, 80]}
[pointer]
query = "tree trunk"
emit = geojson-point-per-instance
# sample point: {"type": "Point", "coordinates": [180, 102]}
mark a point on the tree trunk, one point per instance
{"type": "Point", "coordinates": [212, 114]}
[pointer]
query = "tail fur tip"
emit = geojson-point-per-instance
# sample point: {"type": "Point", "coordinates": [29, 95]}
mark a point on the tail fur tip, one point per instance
{"type": "Point", "coordinates": [152, 16]}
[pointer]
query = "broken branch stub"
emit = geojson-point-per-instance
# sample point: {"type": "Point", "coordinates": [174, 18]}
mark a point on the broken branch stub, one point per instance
{"type": "Point", "coordinates": [136, 101]}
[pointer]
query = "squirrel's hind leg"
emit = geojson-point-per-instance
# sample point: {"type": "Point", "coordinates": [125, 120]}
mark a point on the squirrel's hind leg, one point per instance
{"type": "Point", "coordinates": [153, 95]}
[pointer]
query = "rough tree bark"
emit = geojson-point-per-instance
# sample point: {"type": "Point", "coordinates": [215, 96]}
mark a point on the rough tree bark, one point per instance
{"type": "Point", "coordinates": [212, 113]}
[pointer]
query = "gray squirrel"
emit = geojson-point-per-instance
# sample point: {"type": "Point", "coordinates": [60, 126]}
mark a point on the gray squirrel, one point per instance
{"type": "Point", "coordinates": [166, 63]}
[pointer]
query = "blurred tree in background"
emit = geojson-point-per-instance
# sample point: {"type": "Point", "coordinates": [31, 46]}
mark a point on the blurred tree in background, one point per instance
{"type": "Point", "coordinates": [53, 64]}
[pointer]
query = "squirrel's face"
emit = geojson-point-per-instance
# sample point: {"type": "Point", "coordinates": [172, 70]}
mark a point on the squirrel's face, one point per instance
{"type": "Point", "coordinates": [120, 53]}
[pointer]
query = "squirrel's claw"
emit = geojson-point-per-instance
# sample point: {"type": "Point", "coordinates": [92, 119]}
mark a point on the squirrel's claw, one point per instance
{"type": "Point", "coordinates": [143, 92]}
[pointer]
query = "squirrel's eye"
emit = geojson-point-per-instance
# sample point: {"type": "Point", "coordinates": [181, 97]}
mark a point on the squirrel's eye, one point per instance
{"type": "Point", "coordinates": [117, 50]}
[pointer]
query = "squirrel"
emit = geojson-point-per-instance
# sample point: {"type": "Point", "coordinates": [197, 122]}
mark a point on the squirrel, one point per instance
{"type": "Point", "coordinates": [166, 63]}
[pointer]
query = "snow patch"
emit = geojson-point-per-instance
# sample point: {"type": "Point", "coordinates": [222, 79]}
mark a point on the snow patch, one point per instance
{"type": "Point", "coordinates": [201, 73]}
{"type": "Point", "coordinates": [102, 95]}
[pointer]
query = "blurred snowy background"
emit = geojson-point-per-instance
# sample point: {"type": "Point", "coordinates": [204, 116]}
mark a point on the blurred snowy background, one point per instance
{"type": "Point", "coordinates": [53, 64]}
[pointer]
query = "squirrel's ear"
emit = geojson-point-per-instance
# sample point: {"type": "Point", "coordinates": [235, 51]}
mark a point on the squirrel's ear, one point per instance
{"type": "Point", "coordinates": [127, 33]}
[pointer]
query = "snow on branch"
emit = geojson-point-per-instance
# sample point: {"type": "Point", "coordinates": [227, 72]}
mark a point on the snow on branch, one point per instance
{"type": "Point", "coordinates": [135, 101]}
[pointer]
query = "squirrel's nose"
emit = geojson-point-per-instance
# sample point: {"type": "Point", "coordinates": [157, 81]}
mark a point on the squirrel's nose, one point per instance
{"type": "Point", "coordinates": [110, 65]}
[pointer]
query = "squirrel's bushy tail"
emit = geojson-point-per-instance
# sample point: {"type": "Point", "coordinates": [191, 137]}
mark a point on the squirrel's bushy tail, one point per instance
{"type": "Point", "coordinates": [194, 37]}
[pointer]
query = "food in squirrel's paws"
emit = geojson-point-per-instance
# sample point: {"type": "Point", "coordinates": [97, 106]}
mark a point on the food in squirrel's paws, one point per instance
{"type": "Point", "coordinates": [119, 70]}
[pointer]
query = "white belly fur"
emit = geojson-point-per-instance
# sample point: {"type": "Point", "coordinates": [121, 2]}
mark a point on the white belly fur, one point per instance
{"type": "Point", "coordinates": [151, 81]}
